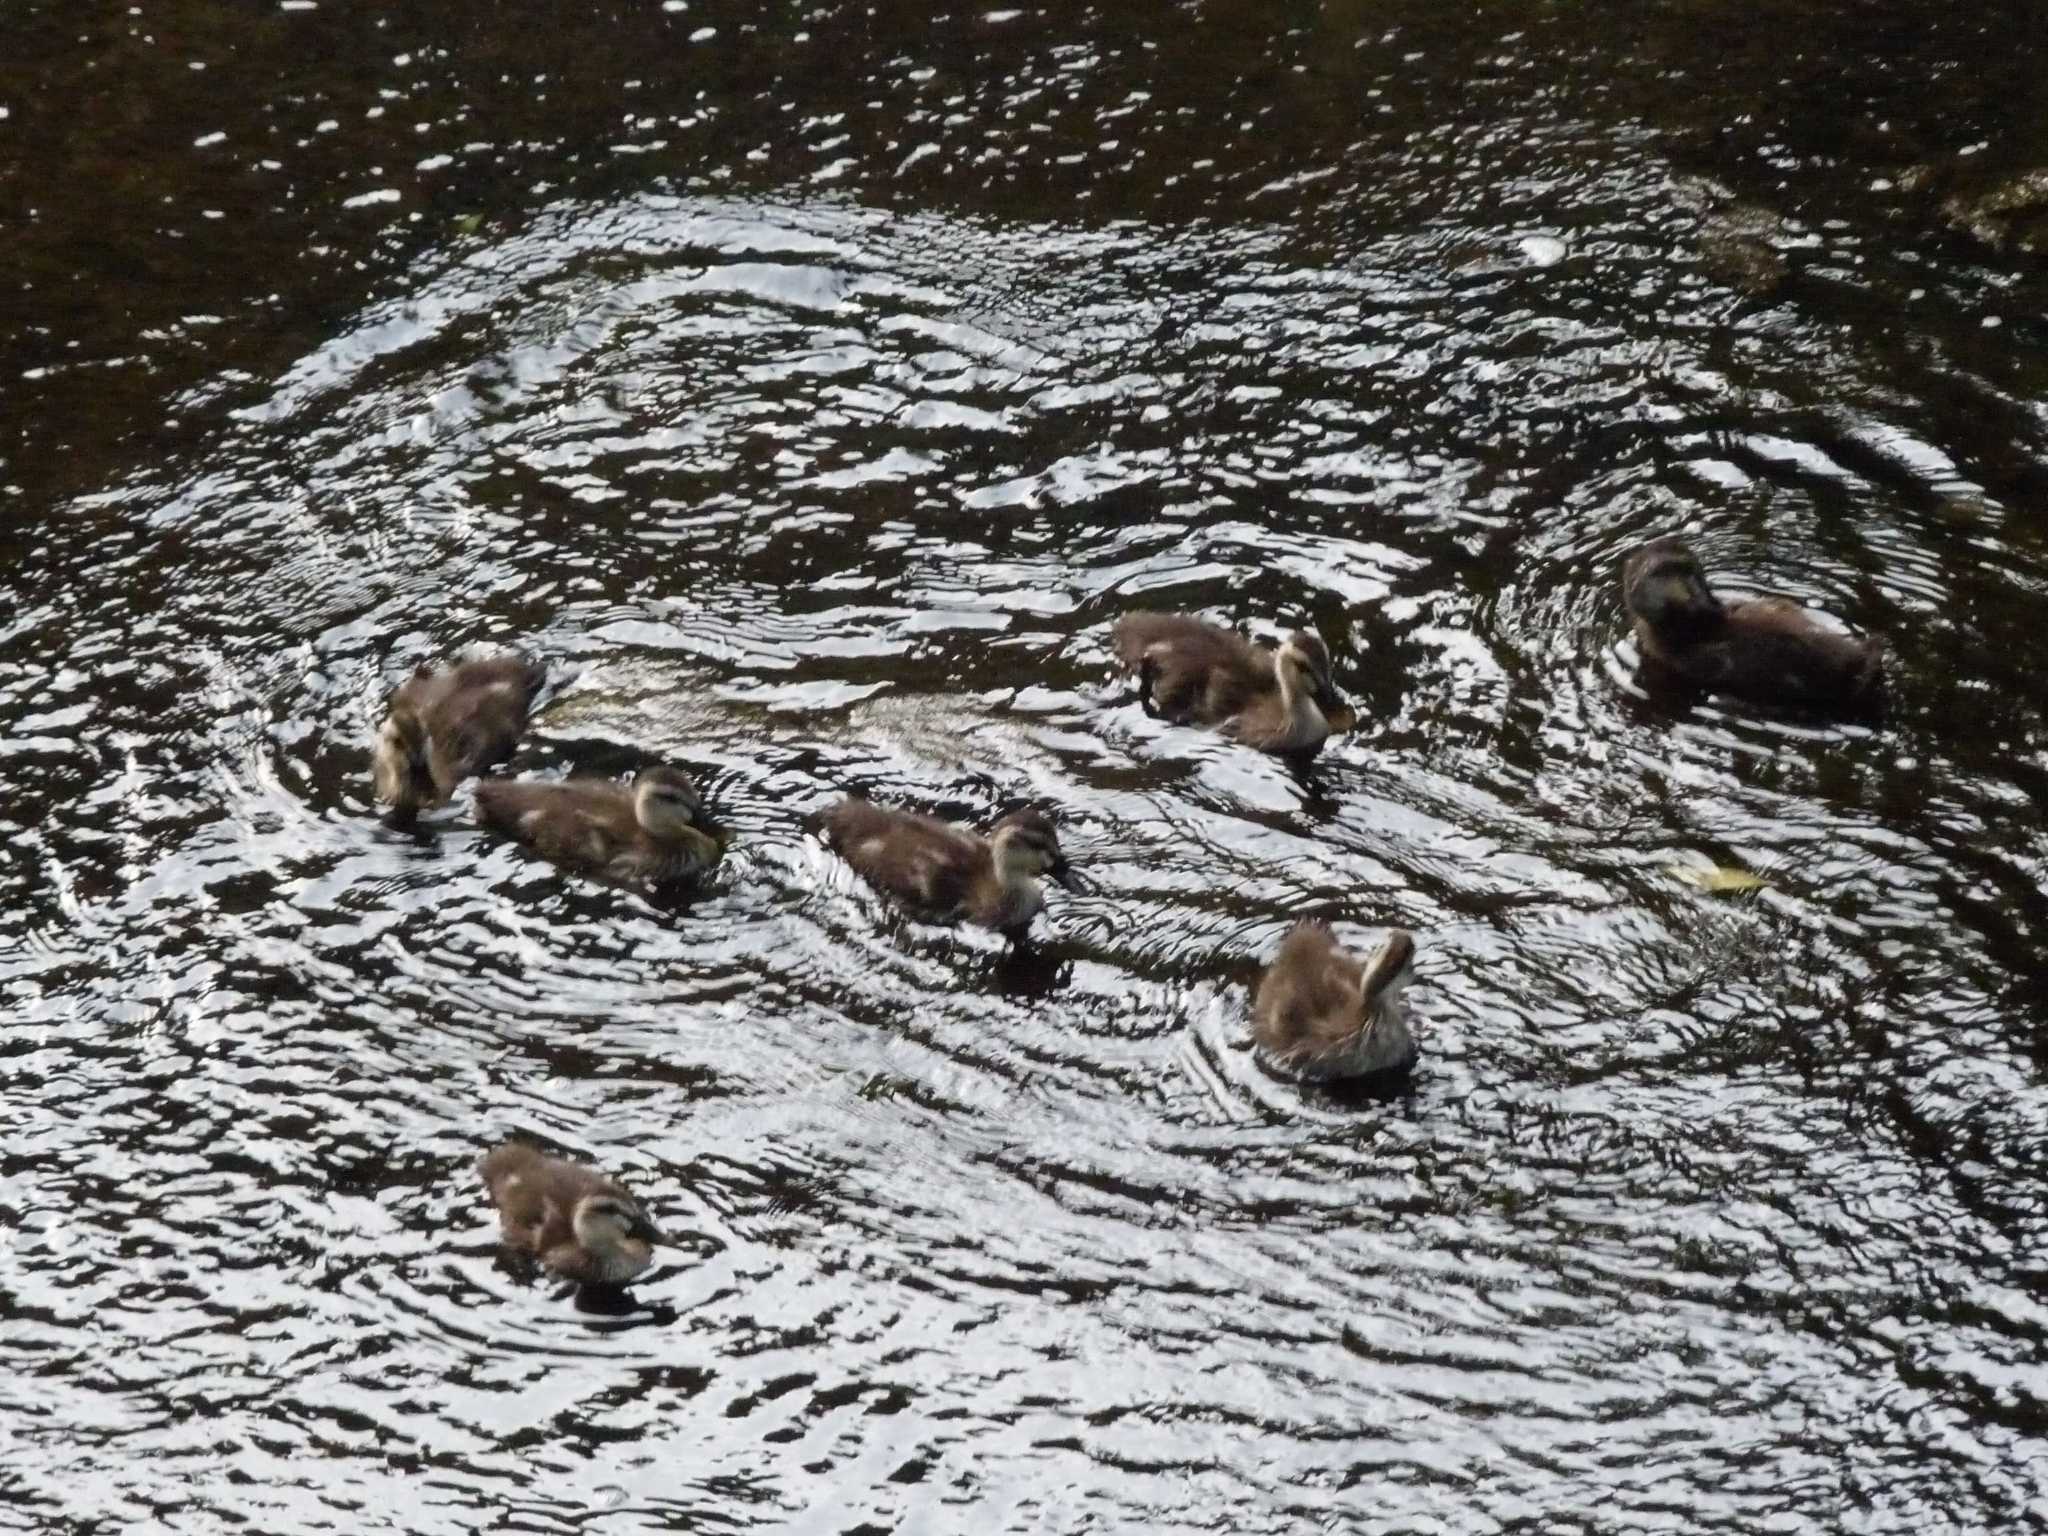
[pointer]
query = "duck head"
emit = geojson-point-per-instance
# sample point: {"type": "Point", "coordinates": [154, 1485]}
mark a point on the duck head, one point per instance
{"type": "Point", "coordinates": [617, 1235]}
{"type": "Point", "coordinates": [399, 770]}
{"type": "Point", "coordinates": [1302, 665]}
{"type": "Point", "coordinates": [1665, 589]}
{"type": "Point", "coordinates": [666, 802]}
{"type": "Point", "coordinates": [1025, 844]}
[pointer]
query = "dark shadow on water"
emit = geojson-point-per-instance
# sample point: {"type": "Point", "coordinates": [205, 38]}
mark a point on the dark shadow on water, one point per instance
{"type": "Point", "coordinates": [617, 1306]}
{"type": "Point", "coordinates": [1382, 1088]}
{"type": "Point", "coordinates": [1029, 969]}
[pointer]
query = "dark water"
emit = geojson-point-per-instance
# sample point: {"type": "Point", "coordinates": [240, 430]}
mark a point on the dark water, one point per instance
{"type": "Point", "coordinates": [813, 386]}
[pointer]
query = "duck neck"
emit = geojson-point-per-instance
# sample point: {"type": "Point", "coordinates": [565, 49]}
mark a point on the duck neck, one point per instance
{"type": "Point", "coordinates": [1386, 1041]}
{"type": "Point", "coordinates": [1304, 715]}
{"type": "Point", "coordinates": [615, 1260]}
{"type": "Point", "coordinates": [1013, 896]}
{"type": "Point", "coordinates": [677, 851]}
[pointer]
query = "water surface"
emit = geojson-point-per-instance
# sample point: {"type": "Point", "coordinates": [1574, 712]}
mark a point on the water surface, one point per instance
{"type": "Point", "coordinates": [813, 389]}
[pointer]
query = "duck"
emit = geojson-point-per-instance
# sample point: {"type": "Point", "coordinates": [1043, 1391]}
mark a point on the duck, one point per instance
{"type": "Point", "coordinates": [1769, 650]}
{"type": "Point", "coordinates": [1323, 1015]}
{"type": "Point", "coordinates": [643, 834]}
{"type": "Point", "coordinates": [1191, 672]}
{"type": "Point", "coordinates": [446, 724]}
{"type": "Point", "coordinates": [580, 1224]}
{"type": "Point", "coordinates": [947, 873]}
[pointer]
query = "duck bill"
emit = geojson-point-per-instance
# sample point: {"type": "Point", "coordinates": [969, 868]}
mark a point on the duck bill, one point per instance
{"type": "Point", "coordinates": [648, 1232]}
{"type": "Point", "coordinates": [1064, 875]}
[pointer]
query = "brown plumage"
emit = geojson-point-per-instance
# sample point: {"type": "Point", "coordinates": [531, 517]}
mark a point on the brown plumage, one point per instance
{"type": "Point", "coordinates": [639, 835]}
{"type": "Point", "coordinates": [947, 873]}
{"type": "Point", "coordinates": [1277, 699]}
{"type": "Point", "coordinates": [1322, 1014]}
{"type": "Point", "coordinates": [447, 723]}
{"type": "Point", "coordinates": [1767, 649]}
{"type": "Point", "coordinates": [576, 1221]}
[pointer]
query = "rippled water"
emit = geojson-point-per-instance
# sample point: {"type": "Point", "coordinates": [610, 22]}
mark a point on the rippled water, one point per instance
{"type": "Point", "coordinates": [813, 390]}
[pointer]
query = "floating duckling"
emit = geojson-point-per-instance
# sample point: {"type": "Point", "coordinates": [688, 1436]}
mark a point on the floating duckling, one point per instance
{"type": "Point", "coordinates": [1770, 650]}
{"type": "Point", "coordinates": [643, 835]}
{"type": "Point", "coordinates": [947, 873]}
{"type": "Point", "coordinates": [1192, 672]}
{"type": "Point", "coordinates": [580, 1224]}
{"type": "Point", "coordinates": [448, 723]}
{"type": "Point", "coordinates": [1322, 1015]}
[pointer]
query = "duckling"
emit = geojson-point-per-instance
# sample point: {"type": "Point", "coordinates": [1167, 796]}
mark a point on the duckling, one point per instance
{"type": "Point", "coordinates": [645, 834]}
{"type": "Point", "coordinates": [1321, 1015]}
{"type": "Point", "coordinates": [575, 1220]}
{"type": "Point", "coordinates": [1192, 672]}
{"type": "Point", "coordinates": [946, 873]}
{"type": "Point", "coordinates": [447, 724]}
{"type": "Point", "coordinates": [1766, 649]}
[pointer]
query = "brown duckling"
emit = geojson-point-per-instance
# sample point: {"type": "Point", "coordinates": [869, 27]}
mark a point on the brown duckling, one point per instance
{"type": "Point", "coordinates": [947, 873]}
{"type": "Point", "coordinates": [1277, 699]}
{"type": "Point", "coordinates": [1767, 649]}
{"type": "Point", "coordinates": [646, 834]}
{"type": "Point", "coordinates": [575, 1220]}
{"type": "Point", "coordinates": [1322, 1015]}
{"type": "Point", "coordinates": [449, 723]}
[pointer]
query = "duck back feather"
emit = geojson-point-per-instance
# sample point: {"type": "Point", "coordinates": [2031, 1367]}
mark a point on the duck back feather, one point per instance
{"type": "Point", "coordinates": [536, 1198]}
{"type": "Point", "coordinates": [592, 826]}
{"type": "Point", "coordinates": [446, 724]}
{"type": "Point", "coordinates": [1190, 671]}
{"type": "Point", "coordinates": [927, 864]}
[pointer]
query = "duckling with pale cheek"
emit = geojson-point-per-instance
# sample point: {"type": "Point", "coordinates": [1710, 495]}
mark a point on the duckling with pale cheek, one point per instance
{"type": "Point", "coordinates": [645, 835]}
{"type": "Point", "coordinates": [946, 873]}
{"type": "Point", "coordinates": [580, 1224]}
{"type": "Point", "coordinates": [447, 724]}
{"type": "Point", "coordinates": [1196, 673]}
{"type": "Point", "coordinates": [1322, 1015]}
{"type": "Point", "coordinates": [1770, 650]}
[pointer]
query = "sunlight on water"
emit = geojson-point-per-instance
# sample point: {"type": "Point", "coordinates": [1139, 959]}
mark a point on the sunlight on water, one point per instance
{"type": "Point", "coordinates": [823, 483]}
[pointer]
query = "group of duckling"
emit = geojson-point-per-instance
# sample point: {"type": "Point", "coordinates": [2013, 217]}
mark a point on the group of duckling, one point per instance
{"type": "Point", "coordinates": [1319, 1013]}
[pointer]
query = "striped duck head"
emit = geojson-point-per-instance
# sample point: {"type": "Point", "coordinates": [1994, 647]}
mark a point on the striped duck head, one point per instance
{"type": "Point", "coordinates": [1024, 845]}
{"type": "Point", "coordinates": [666, 802]}
{"type": "Point", "coordinates": [1665, 589]}
{"type": "Point", "coordinates": [616, 1233]}
{"type": "Point", "coordinates": [1302, 665]}
{"type": "Point", "coordinates": [399, 769]}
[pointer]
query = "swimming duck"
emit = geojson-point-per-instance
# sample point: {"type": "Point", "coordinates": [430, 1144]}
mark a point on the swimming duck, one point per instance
{"type": "Point", "coordinates": [1192, 672]}
{"type": "Point", "coordinates": [643, 834]}
{"type": "Point", "coordinates": [1767, 649]}
{"type": "Point", "coordinates": [1322, 1015]}
{"type": "Point", "coordinates": [448, 723]}
{"type": "Point", "coordinates": [575, 1220]}
{"type": "Point", "coordinates": [947, 873]}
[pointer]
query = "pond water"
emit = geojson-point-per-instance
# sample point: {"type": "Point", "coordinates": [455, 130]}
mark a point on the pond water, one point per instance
{"type": "Point", "coordinates": [813, 387]}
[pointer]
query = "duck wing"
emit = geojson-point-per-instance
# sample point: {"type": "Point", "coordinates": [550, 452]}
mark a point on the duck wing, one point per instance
{"type": "Point", "coordinates": [518, 1179]}
{"type": "Point", "coordinates": [581, 822]}
{"type": "Point", "coordinates": [927, 863]}
{"type": "Point", "coordinates": [474, 713]}
{"type": "Point", "coordinates": [1307, 1001]}
{"type": "Point", "coordinates": [1189, 669]}
{"type": "Point", "coordinates": [1777, 649]}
